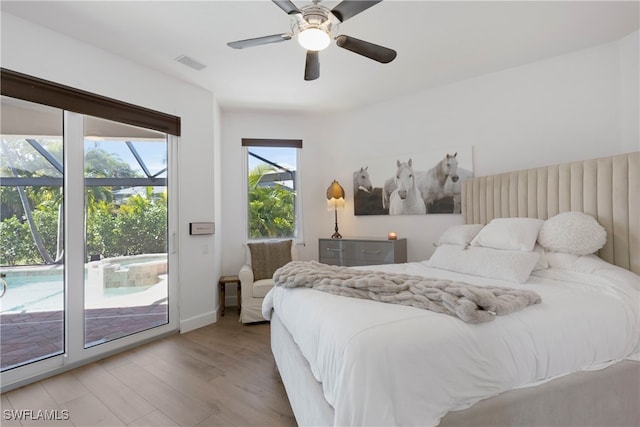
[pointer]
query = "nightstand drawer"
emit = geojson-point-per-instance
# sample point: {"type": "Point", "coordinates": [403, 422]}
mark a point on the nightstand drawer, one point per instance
{"type": "Point", "coordinates": [372, 252]}
{"type": "Point", "coordinates": [366, 251]}
{"type": "Point", "coordinates": [332, 251]}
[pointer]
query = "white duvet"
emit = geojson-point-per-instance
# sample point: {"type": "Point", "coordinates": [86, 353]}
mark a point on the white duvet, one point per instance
{"type": "Point", "coordinates": [386, 364]}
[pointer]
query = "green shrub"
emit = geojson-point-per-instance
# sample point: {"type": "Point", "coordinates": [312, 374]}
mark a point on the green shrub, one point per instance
{"type": "Point", "coordinates": [271, 208]}
{"type": "Point", "coordinates": [17, 245]}
{"type": "Point", "coordinates": [139, 226]}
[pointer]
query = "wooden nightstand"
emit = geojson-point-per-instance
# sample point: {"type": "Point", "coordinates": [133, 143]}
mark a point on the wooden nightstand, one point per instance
{"type": "Point", "coordinates": [222, 284]}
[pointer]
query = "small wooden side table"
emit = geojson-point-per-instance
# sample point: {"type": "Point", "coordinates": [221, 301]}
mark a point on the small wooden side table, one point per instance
{"type": "Point", "coordinates": [222, 284]}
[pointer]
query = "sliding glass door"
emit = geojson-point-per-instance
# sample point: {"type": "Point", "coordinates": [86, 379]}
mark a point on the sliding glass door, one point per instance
{"type": "Point", "coordinates": [85, 221]}
{"type": "Point", "coordinates": [31, 230]}
{"type": "Point", "coordinates": [126, 230]}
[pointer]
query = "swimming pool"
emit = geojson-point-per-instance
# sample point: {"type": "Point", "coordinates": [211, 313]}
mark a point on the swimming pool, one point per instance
{"type": "Point", "coordinates": [33, 293]}
{"type": "Point", "coordinates": [42, 289]}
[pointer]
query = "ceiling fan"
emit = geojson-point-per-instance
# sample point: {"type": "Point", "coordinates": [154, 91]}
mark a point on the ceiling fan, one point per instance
{"type": "Point", "coordinates": [314, 26]}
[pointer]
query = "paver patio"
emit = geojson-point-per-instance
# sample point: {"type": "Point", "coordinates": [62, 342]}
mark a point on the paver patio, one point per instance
{"type": "Point", "coordinates": [31, 336]}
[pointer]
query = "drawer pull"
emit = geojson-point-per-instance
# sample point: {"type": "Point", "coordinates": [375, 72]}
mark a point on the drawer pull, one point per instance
{"type": "Point", "coordinates": [334, 249]}
{"type": "Point", "coordinates": [364, 251]}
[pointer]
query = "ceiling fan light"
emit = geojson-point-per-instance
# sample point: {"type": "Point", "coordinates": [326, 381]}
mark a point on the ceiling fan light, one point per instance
{"type": "Point", "coordinates": [314, 39]}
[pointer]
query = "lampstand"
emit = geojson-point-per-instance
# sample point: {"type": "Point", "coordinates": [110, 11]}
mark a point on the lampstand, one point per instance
{"type": "Point", "coordinates": [335, 200]}
{"type": "Point", "coordinates": [336, 235]}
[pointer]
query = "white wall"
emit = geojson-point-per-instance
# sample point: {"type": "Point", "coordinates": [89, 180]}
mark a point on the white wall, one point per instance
{"type": "Point", "coordinates": [572, 107]}
{"type": "Point", "coordinates": [217, 198]}
{"type": "Point", "coordinates": [629, 89]}
{"type": "Point", "coordinates": [250, 124]}
{"type": "Point", "coordinates": [36, 51]}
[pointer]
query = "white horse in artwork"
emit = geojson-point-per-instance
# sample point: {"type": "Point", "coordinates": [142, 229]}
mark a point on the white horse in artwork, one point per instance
{"type": "Point", "coordinates": [406, 198]}
{"type": "Point", "coordinates": [431, 183]}
{"type": "Point", "coordinates": [361, 180]}
{"type": "Point", "coordinates": [454, 188]}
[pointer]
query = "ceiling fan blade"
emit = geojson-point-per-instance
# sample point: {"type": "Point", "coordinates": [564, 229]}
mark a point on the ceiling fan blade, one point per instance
{"type": "Point", "coordinates": [370, 50]}
{"type": "Point", "coordinates": [241, 44]}
{"type": "Point", "coordinates": [312, 65]}
{"type": "Point", "coordinates": [350, 8]}
{"type": "Point", "coordinates": [287, 6]}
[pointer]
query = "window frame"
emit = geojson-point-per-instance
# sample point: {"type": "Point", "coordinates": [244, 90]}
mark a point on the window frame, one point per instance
{"type": "Point", "coordinates": [45, 92]}
{"type": "Point", "coordinates": [298, 234]}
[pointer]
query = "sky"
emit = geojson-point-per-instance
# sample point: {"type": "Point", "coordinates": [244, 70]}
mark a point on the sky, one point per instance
{"type": "Point", "coordinates": [282, 156]}
{"type": "Point", "coordinates": [154, 153]}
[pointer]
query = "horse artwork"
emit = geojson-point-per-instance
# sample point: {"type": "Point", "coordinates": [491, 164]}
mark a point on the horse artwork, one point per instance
{"type": "Point", "coordinates": [366, 197]}
{"type": "Point", "coordinates": [439, 187]}
{"type": "Point", "coordinates": [437, 198]}
{"type": "Point", "coordinates": [361, 180]}
{"type": "Point", "coordinates": [454, 188]}
{"type": "Point", "coordinates": [406, 198]}
{"type": "Point", "coordinates": [432, 185]}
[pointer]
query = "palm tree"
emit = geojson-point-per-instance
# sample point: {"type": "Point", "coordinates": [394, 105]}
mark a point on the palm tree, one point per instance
{"type": "Point", "coordinates": [21, 161]}
{"type": "Point", "coordinates": [271, 207]}
{"type": "Point", "coordinates": [98, 163]}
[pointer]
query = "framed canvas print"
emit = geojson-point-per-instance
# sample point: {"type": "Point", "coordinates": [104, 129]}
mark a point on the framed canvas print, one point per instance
{"type": "Point", "coordinates": [414, 184]}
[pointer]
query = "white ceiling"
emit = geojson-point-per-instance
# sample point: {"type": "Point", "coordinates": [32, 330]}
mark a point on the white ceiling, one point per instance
{"type": "Point", "coordinates": [438, 42]}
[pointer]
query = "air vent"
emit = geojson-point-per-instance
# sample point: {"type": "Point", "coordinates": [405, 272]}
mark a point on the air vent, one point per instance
{"type": "Point", "coordinates": [190, 62]}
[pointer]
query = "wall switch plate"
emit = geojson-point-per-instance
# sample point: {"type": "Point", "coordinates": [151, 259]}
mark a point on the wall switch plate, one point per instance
{"type": "Point", "coordinates": [198, 228]}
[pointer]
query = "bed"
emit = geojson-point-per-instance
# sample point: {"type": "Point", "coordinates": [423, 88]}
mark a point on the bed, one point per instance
{"type": "Point", "coordinates": [571, 359]}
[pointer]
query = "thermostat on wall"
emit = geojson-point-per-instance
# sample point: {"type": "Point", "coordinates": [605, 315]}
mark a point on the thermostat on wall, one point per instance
{"type": "Point", "coordinates": [196, 228]}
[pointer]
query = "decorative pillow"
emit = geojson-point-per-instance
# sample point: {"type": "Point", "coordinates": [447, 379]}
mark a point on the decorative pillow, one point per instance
{"type": "Point", "coordinates": [267, 257]}
{"type": "Point", "coordinates": [514, 266]}
{"type": "Point", "coordinates": [561, 260]}
{"type": "Point", "coordinates": [460, 235]}
{"type": "Point", "coordinates": [594, 265]}
{"type": "Point", "coordinates": [514, 234]}
{"type": "Point", "coordinates": [573, 233]}
{"type": "Point", "coordinates": [543, 262]}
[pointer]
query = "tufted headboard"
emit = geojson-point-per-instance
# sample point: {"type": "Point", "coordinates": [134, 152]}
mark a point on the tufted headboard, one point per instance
{"type": "Point", "coordinates": [607, 189]}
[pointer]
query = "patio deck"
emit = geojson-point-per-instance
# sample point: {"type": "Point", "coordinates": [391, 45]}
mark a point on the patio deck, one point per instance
{"type": "Point", "coordinates": [35, 335]}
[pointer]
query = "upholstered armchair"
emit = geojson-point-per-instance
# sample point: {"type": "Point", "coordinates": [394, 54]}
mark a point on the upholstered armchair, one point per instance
{"type": "Point", "coordinates": [256, 276]}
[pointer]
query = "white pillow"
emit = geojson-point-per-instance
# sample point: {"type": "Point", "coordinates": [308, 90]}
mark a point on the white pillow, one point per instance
{"type": "Point", "coordinates": [543, 262]}
{"type": "Point", "coordinates": [573, 233]}
{"type": "Point", "coordinates": [460, 235]}
{"type": "Point", "coordinates": [513, 266]}
{"type": "Point", "coordinates": [592, 264]}
{"type": "Point", "coordinates": [515, 234]}
{"type": "Point", "coordinates": [561, 260]}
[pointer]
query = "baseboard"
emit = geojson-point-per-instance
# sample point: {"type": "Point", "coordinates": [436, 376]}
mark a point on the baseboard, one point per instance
{"type": "Point", "coordinates": [199, 321]}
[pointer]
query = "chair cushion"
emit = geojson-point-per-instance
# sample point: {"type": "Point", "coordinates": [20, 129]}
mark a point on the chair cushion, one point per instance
{"type": "Point", "coordinates": [261, 287]}
{"type": "Point", "coordinates": [267, 257]}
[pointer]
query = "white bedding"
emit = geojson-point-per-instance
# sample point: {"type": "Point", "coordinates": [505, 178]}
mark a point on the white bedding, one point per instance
{"type": "Point", "coordinates": [386, 364]}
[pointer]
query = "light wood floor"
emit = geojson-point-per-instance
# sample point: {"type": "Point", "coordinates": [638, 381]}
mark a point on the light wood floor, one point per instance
{"type": "Point", "coordinates": [219, 375]}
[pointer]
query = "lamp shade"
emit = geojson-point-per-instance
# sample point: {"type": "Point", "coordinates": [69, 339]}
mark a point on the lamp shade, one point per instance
{"type": "Point", "coordinates": [335, 195]}
{"type": "Point", "coordinates": [314, 39]}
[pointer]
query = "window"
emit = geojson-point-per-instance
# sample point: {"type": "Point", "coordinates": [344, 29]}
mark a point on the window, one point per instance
{"type": "Point", "coordinates": [31, 230]}
{"type": "Point", "coordinates": [273, 193]}
{"type": "Point", "coordinates": [126, 230]}
{"type": "Point", "coordinates": [86, 215]}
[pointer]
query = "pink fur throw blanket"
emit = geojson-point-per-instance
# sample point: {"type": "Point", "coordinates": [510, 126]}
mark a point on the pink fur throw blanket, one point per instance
{"type": "Point", "coordinates": [470, 303]}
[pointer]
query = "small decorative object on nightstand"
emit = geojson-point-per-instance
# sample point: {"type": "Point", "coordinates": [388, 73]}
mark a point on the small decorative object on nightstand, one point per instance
{"type": "Point", "coordinates": [222, 283]}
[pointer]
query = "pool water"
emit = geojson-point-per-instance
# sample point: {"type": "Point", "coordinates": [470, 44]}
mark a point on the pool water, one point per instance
{"type": "Point", "coordinates": [46, 293]}
{"type": "Point", "coordinates": [33, 293]}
